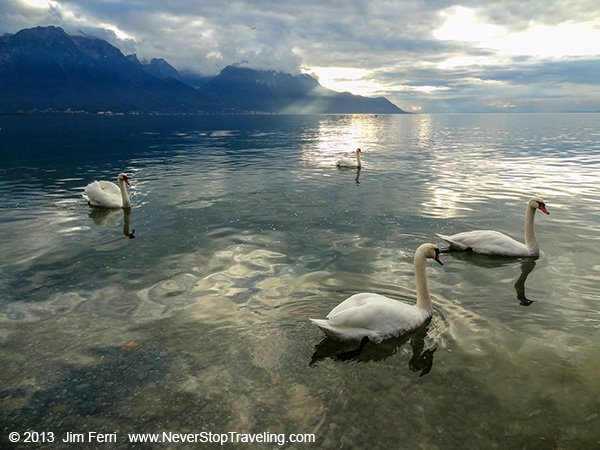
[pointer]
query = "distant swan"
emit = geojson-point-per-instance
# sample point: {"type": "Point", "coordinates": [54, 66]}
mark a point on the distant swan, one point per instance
{"type": "Point", "coordinates": [376, 317]}
{"type": "Point", "coordinates": [348, 162]}
{"type": "Point", "coordinates": [104, 194]}
{"type": "Point", "coordinates": [491, 242]}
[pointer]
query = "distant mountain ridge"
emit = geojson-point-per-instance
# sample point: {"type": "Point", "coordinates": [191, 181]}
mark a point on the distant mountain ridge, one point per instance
{"type": "Point", "coordinates": [44, 68]}
{"type": "Point", "coordinates": [247, 89]}
{"type": "Point", "coordinates": [160, 68]}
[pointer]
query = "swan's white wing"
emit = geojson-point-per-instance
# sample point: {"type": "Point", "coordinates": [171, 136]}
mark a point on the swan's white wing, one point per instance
{"type": "Point", "coordinates": [346, 162]}
{"type": "Point", "coordinates": [357, 300]}
{"type": "Point", "coordinates": [487, 242]}
{"type": "Point", "coordinates": [102, 194]}
{"type": "Point", "coordinates": [109, 187]}
{"type": "Point", "coordinates": [379, 315]}
{"type": "Point", "coordinates": [454, 244]}
{"type": "Point", "coordinates": [371, 315]}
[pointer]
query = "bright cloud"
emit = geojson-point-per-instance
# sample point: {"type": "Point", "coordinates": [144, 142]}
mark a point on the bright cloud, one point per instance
{"type": "Point", "coordinates": [461, 24]}
{"type": "Point", "coordinates": [559, 40]}
{"type": "Point", "coordinates": [41, 4]}
{"type": "Point", "coordinates": [565, 39]}
{"type": "Point", "coordinates": [467, 61]}
{"type": "Point", "coordinates": [119, 33]}
{"type": "Point", "coordinates": [349, 79]}
{"type": "Point", "coordinates": [423, 89]}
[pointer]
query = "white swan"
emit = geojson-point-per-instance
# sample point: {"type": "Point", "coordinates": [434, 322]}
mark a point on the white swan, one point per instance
{"type": "Point", "coordinates": [376, 317]}
{"type": "Point", "coordinates": [348, 162]}
{"type": "Point", "coordinates": [491, 242]}
{"type": "Point", "coordinates": [104, 194]}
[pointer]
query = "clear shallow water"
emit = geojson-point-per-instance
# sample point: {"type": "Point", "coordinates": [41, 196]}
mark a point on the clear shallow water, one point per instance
{"type": "Point", "coordinates": [244, 229]}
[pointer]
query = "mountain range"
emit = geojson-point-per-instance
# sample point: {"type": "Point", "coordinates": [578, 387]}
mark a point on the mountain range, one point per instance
{"type": "Point", "coordinates": [45, 69]}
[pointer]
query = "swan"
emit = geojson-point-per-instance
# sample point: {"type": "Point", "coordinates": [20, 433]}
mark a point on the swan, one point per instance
{"type": "Point", "coordinates": [373, 316]}
{"type": "Point", "coordinates": [348, 162]}
{"type": "Point", "coordinates": [104, 194]}
{"type": "Point", "coordinates": [490, 242]}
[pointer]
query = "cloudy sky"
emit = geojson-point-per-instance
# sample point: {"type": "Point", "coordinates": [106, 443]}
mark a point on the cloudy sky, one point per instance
{"type": "Point", "coordinates": [426, 56]}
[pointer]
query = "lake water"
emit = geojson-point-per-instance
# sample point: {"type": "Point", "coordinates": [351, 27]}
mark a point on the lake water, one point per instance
{"type": "Point", "coordinates": [244, 228]}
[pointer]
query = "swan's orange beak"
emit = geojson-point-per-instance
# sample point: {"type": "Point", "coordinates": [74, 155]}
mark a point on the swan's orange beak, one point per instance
{"type": "Point", "coordinates": [126, 180]}
{"type": "Point", "coordinates": [543, 209]}
{"type": "Point", "coordinates": [437, 257]}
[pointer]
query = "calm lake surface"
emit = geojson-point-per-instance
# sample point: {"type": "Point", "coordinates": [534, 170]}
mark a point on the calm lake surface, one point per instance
{"type": "Point", "coordinates": [244, 228]}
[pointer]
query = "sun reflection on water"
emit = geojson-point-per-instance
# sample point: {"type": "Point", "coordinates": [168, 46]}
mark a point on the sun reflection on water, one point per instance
{"type": "Point", "coordinates": [332, 141]}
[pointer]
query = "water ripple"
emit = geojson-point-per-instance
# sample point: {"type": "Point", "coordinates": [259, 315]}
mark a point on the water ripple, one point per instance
{"type": "Point", "coordinates": [244, 229]}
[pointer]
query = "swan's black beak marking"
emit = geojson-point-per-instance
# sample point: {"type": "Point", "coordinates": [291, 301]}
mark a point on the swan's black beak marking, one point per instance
{"type": "Point", "coordinates": [437, 257]}
{"type": "Point", "coordinates": [543, 209]}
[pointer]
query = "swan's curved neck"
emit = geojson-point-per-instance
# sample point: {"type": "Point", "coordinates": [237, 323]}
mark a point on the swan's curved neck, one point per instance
{"type": "Point", "coordinates": [357, 159]}
{"type": "Point", "coordinates": [530, 240]}
{"type": "Point", "coordinates": [423, 298]}
{"type": "Point", "coordinates": [124, 195]}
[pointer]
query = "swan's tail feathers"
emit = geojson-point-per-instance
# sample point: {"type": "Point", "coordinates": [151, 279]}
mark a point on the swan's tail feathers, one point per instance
{"type": "Point", "coordinates": [321, 323]}
{"type": "Point", "coordinates": [325, 326]}
{"type": "Point", "coordinates": [454, 245]}
{"type": "Point", "coordinates": [87, 199]}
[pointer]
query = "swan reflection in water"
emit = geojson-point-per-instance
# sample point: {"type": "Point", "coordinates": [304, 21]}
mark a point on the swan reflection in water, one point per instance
{"type": "Point", "coordinates": [365, 350]}
{"type": "Point", "coordinates": [527, 266]}
{"type": "Point", "coordinates": [489, 261]}
{"type": "Point", "coordinates": [357, 169]}
{"type": "Point", "coordinates": [104, 217]}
